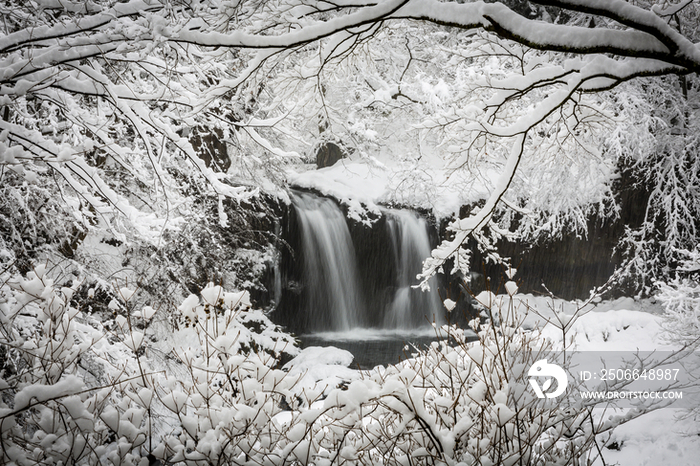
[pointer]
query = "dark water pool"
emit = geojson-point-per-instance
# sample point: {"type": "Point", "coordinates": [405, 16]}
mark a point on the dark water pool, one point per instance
{"type": "Point", "coordinates": [372, 347]}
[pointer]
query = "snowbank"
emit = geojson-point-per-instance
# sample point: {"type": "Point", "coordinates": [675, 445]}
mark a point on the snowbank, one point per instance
{"type": "Point", "coordinates": [322, 367]}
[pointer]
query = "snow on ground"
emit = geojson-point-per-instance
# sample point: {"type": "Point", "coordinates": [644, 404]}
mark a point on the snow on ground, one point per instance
{"type": "Point", "coordinates": [618, 325]}
{"type": "Point", "coordinates": [665, 436]}
{"type": "Point", "coordinates": [660, 437]}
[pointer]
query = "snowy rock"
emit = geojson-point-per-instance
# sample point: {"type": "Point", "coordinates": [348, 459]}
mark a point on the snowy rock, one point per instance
{"type": "Point", "coordinates": [323, 367]}
{"type": "Point", "coordinates": [314, 356]}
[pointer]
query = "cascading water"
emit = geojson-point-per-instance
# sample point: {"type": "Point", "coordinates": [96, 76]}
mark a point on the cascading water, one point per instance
{"type": "Point", "coordinates": [349, 285]}
{"type": "Point", "coordinates": [346, 284]}
{"type": "Point", "coordinates": [331, 288]}
{"type": "Point", "coordinates": [410, 307]}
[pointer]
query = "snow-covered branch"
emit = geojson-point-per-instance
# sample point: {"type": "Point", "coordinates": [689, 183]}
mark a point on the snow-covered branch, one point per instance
{"type": "Point", "coordinates": [128, 85]}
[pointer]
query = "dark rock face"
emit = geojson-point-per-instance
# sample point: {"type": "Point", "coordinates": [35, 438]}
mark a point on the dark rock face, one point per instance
{"type": "Point", "coordinates": [569, 268]}
{"type": "Point", "coordinates": [210, 147]}
{"type": "Point", "coordinates": [328, 154]}
{"type": "Point", "coordinates": [375, 256]}
{"type": "Point", "coordinates": [572, 266]}
{"type": "Point", "coordinates": [290, 272]}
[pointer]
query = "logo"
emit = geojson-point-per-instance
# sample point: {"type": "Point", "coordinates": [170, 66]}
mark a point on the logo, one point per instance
{"type": "Point", "coordinates": [542, 368]}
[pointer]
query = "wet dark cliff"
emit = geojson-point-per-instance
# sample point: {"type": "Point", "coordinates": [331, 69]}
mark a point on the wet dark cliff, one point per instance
{"type": "Point", "coordinates": [570, 267]}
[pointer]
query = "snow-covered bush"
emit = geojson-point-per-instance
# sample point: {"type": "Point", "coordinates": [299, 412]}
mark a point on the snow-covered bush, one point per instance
{"type": "Point", "coordinates": [681, 298]}
{"type": "Point", "coordinates": [75, 391]}
{"type": "Point", "coordinates": [62, 398]}
{"type": "Point", "coordinates": [137, 391]}
{"type": "Point", "coordinates": [457, 402]}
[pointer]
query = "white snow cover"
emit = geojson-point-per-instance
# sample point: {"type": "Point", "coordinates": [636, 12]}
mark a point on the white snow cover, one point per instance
{"type": "Point", "coordinates": [323, 367]}
{"type": "Point", "coordinates": [624, 324]}
{"type": "Point", "coordinates": [666, 436]}
{"type": "Point", "coordinates": [194, 401]}
{"type": "Point", "coordinates": [363, 184]}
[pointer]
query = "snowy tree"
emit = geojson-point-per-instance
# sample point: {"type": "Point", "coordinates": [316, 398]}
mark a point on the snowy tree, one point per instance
{"type": "Point", "coordinates": [137, 116]}
{"type": "Point", "coordinates": [122, 101]}
{"type": "Point", "coordinates": [556, 101]}
{"type": "Point", "coordinates": [96, 99]}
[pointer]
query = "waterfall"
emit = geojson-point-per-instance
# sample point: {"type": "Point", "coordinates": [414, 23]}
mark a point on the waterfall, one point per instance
{"type": "Point", "coordinates": [410, 307]}
{"type": "Point", "coordinates": [332, 290]}
{"type": "Point", "coordinates": [346, 276]}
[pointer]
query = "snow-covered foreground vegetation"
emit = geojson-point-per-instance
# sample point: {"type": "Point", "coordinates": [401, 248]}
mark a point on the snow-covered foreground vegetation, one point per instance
{"type": "Point", "coordinates": [211, 390]}
{"type": "Point", "coordinates": [145, 146]}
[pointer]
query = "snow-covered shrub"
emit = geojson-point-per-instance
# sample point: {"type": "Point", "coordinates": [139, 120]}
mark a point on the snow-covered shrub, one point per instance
{"type": "Point", "coordinates": [457, 402]}
{"type": "Point", "coordinates": [219, 315]}
{"type": "Point", "coordinates": [62, 393]}
{"type": "Point", "coordinates": [137, 391]}
{"type": "Point", "coordinates": [681, 298]}
{"type": "Point", "coordinates": [75, 391]}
